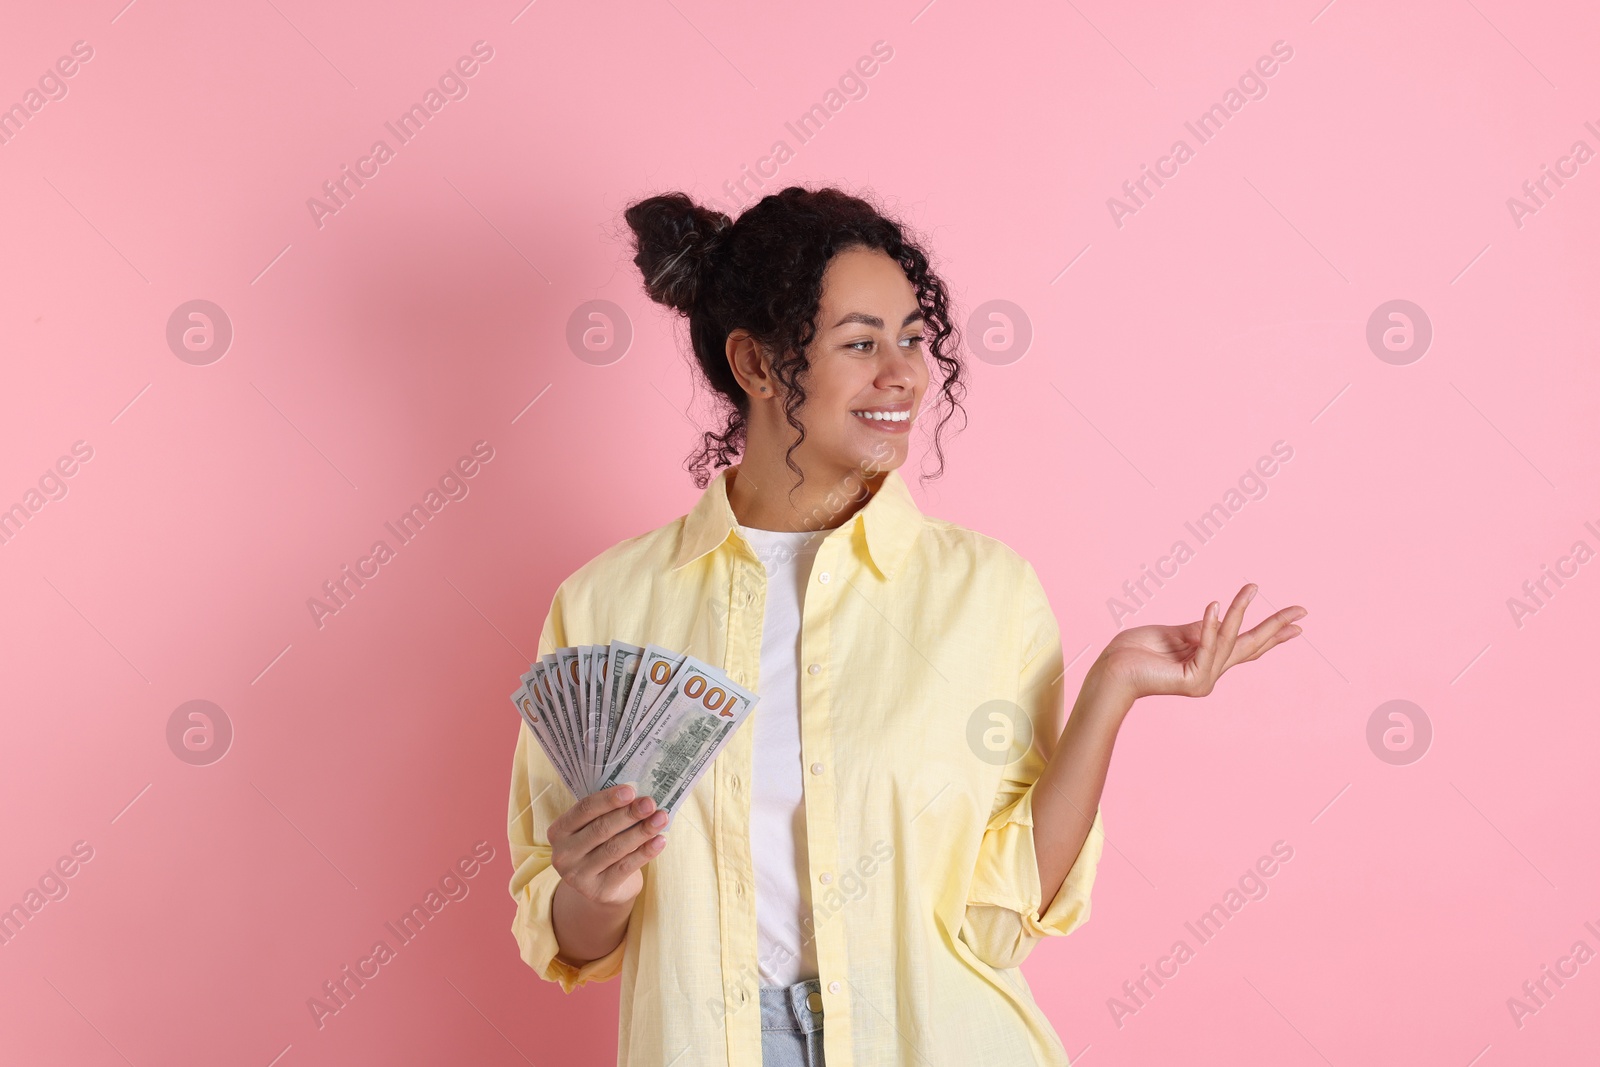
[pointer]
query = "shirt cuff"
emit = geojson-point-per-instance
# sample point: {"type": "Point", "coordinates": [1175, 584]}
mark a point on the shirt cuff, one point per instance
{"type": "Point", "coordinates": [536, 937]}
{"type": "Point", "coordinates": [1007, 874]}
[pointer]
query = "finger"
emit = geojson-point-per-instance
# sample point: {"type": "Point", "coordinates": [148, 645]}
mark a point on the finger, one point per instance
{"type": "Point", "coordinates": [1208, 639]}
{"type": "Point", "coordinates": [623, 842]}
{"type": "Point", "coordinates": [1269, 634]}
{"type": "Point", "coordinates": [1263, 631]}
{"type": "Point", "coordinates": [1285, 634]}
{"type": "Point", "coordinates": [618, 872]}
{"type": "Point", "coordinates": [1208, 626]}
{"type": "Point", "coordinates": [1228, 633]}
{"type": "Point", "coordinates": [1292, 613]}
{"type": "Point", "coordinates": [590, 808]}
{"type": "Point", "coordinates": [609, 825]}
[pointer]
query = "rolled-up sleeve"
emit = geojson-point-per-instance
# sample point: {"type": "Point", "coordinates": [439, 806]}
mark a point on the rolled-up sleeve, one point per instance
{"type": "Point", "coordinates": [1006, 914]}
{"type": "Point", "coordinates": [538, 797]}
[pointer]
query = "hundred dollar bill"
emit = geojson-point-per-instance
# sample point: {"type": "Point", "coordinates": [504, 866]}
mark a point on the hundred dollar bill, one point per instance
{"type": "Point", "coordinates": [681, 734]}
{"type": "Point", "coordinates": [615, 712]}
{"type": "Point", "coordinates": [599, 657]}
{"type": "Point", "coordinates": [556, 722]}
{"type": "Point", "coordinates": [574, 673]}
{"type": "Point", "coordinates": [591, 699]}
{"type": "Point", "coordinates": [578, 684]}
{"type": "Point", "coordinates": [534, 714]}
{"type": "Point", "coordinates": [657, 670]}
{"type": "Point", "coordinates": [622, 667]}
{"type": "Point", "coordinates": [536, 711]}
{"type": "Point", "coordinates": [564, 711]}
{"type": "Point", "coordinates": [657, 665]}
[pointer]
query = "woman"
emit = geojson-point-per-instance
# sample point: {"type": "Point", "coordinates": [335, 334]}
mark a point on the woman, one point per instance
{"type": "Point", "coordinates": [903, 817]}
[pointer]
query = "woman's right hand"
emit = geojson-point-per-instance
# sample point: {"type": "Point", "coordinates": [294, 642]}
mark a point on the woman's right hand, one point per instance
{"type": "Point", "coordinates": [599, 844]}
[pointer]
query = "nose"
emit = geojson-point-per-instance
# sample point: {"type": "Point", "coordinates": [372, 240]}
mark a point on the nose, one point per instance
{"type": "Point", "coordinates": [895, 371]}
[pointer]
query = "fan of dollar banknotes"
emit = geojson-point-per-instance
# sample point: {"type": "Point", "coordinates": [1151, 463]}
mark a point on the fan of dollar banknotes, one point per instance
{"type": "Point", "coordinates": [606, 714]}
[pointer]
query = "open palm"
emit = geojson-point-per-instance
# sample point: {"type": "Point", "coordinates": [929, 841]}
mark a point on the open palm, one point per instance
{"type": "Point", "coordinates": [1187, 660]}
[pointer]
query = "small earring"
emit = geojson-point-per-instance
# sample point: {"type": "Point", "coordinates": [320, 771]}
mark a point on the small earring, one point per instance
{"type": "Point", "coordinates": [763, 388]}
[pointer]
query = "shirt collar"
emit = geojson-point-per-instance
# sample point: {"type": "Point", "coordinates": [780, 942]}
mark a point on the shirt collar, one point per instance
{"type": "Point", "coordinates": [889, 522]}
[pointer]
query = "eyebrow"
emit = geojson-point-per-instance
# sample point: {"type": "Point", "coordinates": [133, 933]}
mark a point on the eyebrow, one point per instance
{"type": "Point", "coordinates": [873, 320]}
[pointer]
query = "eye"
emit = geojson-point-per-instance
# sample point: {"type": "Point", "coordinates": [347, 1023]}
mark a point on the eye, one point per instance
{"type": "Point", "coordinates": [914, 341]}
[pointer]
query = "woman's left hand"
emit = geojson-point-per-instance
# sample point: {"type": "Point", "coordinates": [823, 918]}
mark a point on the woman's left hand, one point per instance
{"type": "Point", "coordinates": [1187, 660]}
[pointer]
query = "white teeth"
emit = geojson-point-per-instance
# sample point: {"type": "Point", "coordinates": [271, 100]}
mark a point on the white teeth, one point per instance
{"type": "Point", "coordinates": [883, 416]}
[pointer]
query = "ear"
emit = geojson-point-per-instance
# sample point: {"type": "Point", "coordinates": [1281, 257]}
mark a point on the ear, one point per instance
{"type": "Point", "coordinates": [750, 365]}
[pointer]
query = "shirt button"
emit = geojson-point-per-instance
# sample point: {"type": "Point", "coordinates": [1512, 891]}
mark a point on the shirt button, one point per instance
{"type": "Point", "coordinates": [825, 878]}
{"type": "Point", "coordinates": [816, 768]}
{"type": "Point", "coordinates": [734, 782]}
{"type": "Point", "coordinates": [824, 577]}
{"type": "Point", "coordinates": [833, 987]}
{"type": "Point", "coordinates": [814, 668]}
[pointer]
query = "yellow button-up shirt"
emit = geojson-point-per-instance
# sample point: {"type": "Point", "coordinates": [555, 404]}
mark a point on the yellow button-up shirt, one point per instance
{"type": "Point", "coordinates": [925, 650]}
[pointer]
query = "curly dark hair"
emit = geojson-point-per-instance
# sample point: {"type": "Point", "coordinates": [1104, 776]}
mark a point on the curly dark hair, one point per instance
{"type": "Point", "coordinates": [763, 274]}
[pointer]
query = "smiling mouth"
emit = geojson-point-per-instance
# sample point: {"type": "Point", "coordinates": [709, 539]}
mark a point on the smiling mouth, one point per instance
{"type": "Point", "coordinates": [884, 416]}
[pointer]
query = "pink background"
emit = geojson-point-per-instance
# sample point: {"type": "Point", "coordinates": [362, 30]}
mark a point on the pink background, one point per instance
{"type": "Point", "coordinates": [1229, 312]}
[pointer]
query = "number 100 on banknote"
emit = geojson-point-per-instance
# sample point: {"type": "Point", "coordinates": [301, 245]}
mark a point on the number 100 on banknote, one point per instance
{"type": "Point", "coordinates": [606, 714]}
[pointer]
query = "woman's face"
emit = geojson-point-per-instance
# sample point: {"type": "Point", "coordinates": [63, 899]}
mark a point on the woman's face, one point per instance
{"type": "Point", "coordinates": [868, 368]}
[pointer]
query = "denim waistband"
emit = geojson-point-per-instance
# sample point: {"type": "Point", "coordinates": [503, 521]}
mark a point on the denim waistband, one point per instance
{"type": "Point", "coordinates": [790, 1007]}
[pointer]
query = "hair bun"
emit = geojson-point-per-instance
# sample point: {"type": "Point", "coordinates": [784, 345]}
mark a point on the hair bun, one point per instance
{"type": "Point", "coordinates": [673, 241]}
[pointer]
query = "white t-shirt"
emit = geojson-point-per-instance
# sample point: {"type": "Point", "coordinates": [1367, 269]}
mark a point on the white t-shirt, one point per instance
{"type": "Point", "coordinates": [777, 810]}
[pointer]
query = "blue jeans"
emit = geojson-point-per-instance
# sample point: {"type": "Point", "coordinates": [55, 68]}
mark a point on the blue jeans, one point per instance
{"type": "Point", "coordinates": [791, 1025]}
